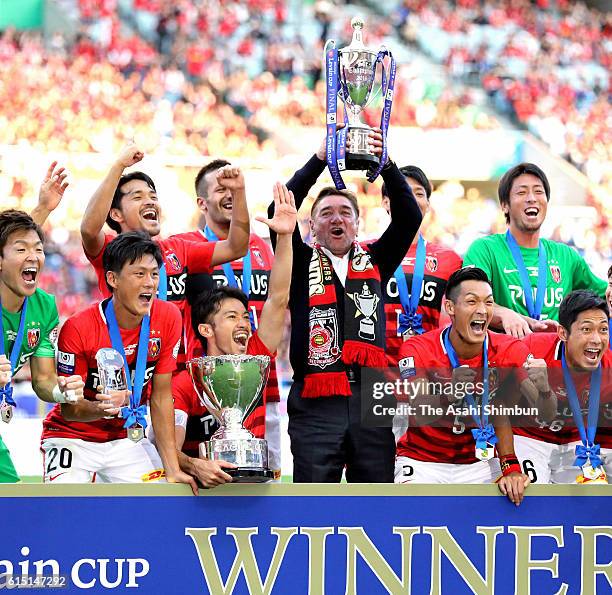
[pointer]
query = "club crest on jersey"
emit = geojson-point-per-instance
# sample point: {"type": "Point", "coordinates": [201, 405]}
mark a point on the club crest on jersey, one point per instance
{"type": "Point", "coordinates": [33, 337]}
{"type": "Point", "coordinates": [257, 255]}
{"type": "Point", "coordinates": [154, 347]}
{"type": "Point", "coordinates": [172, 258]}
{"type": "Point", "coordinates": [555, 271]}
{"type": "Point", "coordinates": [323, 338]}
{"type": "Point", "coordinates": [431, 262]}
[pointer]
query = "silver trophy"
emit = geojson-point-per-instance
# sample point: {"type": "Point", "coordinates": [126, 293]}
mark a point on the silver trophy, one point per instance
{"type": "Point", "coordinates": [230, 387]}
{"type": "Point", "coordinates": [357, 71]}
{"type": "Point", "coordinates": [366, 303]}
{"type": "Point", "coordinates": [111, 373]}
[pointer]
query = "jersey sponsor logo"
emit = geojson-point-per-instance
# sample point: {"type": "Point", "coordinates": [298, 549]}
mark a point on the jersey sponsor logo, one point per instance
{"type": "Point", "coordinates": [323, 338]}
{"type": "Point", "coordinates": [65, 362]}
{"type": "Point", "coordinates": [431, 262]}
{"type": "Point", "coordinates": [176, 286]}
{"type": "Point", "coordinates": [154, 347]}
{"type": "Point", "coordinates": [406, 367]}
{"type": "Point", "coordinates": [175, 263]}
{"type": "Point", "coordinates": [508, 271]}
{"type": "Point", "coordinates": [555, 271]}
{"type": "Point", "coordinates": [431, 291]}
{"type": "Point", "coordinates": [552, 297]}
{"type": "Point", "coordinates": [154, 475]}
{"type": "Point", "coordinates": [259, 283]}
{"type": "Point", "coordinates": [33, 337]}
{"type": "Point", "coordinates": [93, 378]}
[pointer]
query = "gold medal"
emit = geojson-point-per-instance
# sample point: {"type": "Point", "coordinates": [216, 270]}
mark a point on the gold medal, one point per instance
{"type": "Point", "coordinates": [136, 433]}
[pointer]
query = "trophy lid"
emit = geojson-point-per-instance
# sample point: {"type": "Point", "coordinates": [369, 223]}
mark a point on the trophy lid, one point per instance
{"type": "Point", "coordinates": [357, 23]}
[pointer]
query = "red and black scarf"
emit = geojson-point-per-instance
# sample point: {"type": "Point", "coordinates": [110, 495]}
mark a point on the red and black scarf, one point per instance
{"type": "Point", "coordinates": [364, 323]}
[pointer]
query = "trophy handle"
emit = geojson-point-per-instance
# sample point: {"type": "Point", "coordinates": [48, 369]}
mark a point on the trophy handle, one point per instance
{"type": "Point", "coordinates": [379, 91]}
{"type": "Point", "coordinates": [330, 44]}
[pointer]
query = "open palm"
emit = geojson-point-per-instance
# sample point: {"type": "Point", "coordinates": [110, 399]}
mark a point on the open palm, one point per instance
{"type": "Point", "coordinates": [285, 213]}
{"type": "Point", "coordinates": [53, 187]}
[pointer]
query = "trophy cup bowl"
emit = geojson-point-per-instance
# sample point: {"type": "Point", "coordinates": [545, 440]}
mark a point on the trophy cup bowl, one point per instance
{"type": "Point", "coordinates": [357, 72]}
{"type": "Point", "coordinates": [230, 387]}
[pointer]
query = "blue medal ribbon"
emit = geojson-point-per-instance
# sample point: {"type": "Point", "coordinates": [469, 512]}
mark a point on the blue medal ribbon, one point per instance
{"type": "Point", "coordinates": [534, 310]}
{"type": "Point", "coordinates": [331, 76]}
{"type": "Point", "coordinates": [228, 271]}
{"type": "Point", "coordinates": [588, 450]}
{"type": "Point", "coordinates": [409, 319]}
{"type": "Point", "coordinates": [484, 434]}
{"type": "Point", "coordinates": [162, 288]}
{"type": "Point", "coordinates": [385, 117]}
{"type": "Point", "coordinates": [6, 392]}
{"type": "Point", "coordinates": [134, 413]}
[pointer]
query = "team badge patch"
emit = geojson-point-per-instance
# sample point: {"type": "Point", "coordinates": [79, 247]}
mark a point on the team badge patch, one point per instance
{"type": "Point", "coordinates": [33, 337]}
{"type": "Point", "coordinates": [555, 271]}
{"type": "Point", "coordinates": [154, 347]}
{"type": "Point", "coordinates": [65, 362]}
{"type": "Point", "coordinates": [431, 262]}
{"type": "Point", "coordinates": [406, 367]}
{"type": "Point", "coordinates": [323, 338]}
{"type": "Point", "coordinates": [172, 258]}
{"type": "Point", "coordinates": [257, 255]}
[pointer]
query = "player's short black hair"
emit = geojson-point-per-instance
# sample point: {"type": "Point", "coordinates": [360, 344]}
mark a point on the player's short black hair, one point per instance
{"type": "Point", "coordinates": [13, 220]}
{"type": "Point", "coordinates": [416, 173]}
{"type": "Point", "coordinates": [209, 303]}
{"type": "Point", "coordinates": [578, 301]}
{"type": "Point", "coordinates": [116, 204]}
{"type": "Point", "coordinates": [200, 183]}
{"type": "Point", "coordinates": [610, 271]}
{"type": "Point", "coordinates": [469, 273]}
{"type": "Point", "coordinates": [505, 184]}
{"type": "Point", "coordinates": [331, 191]}
{"type": "Point", "coordinates": [127, 248]}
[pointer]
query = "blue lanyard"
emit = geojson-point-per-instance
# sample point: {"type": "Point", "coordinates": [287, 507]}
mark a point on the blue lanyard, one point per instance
{"type": "Point", "coordinates": [588, 450]}
{"type": "Point", "coordinates": [134, 413]}
{"type": "Point", "coordinates": [6, 392]}
{"type": "Point", "coordinates": [485, 432]}
{"type": "Point", "coordinates": [162, 288]}
{"type": "Point", "coordinates": [331, 76]}
{"type": "Point", "coordinates": [534, 311]}
{"type": "Point", "coordinates": [409, 319]}
{"type": "Point", "coordinates": [211, 236]}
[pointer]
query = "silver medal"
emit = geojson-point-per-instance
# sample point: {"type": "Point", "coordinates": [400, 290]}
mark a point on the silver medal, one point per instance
{"type": "Point", "coordinates": [484, 454]}
{"type": "Point", "coordinates": [6, 412]}
{"type": "Point", "coordinates": [136, 433]}
{"type": "Point", "coordinates": [409, 332]}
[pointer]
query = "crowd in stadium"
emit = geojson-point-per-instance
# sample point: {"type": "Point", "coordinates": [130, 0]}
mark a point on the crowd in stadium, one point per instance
{"type": "Point", "coordinates": [187, 79]}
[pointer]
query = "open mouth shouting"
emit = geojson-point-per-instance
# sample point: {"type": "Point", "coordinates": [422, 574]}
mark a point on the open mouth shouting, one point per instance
{"type": "Point", "coordinates": [241, 337]}
{"type": "Point", "coordinates": [29, 274]}
{"type": "Point", "coordinates": [532, 213]}
{"type": "Point", "coordinates": [150, 214]}
{"type": "Point", "coordinates": [336, 232]}
{"type": "Point", "coordinates": [145, 299]}
{"type": "Point", "coordinates": [478, 326]}
{"type": "Point", "coordinates": [592, 355]}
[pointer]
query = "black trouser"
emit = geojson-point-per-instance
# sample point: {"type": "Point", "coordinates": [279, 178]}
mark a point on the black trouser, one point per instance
{"type": "Point", "coordinates": [327, 436]}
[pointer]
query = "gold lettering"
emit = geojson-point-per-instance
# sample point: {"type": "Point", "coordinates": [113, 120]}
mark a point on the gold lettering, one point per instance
{"type": "Point", "coordinates": [316, 557]}
{"type": "Point", "coordinates": [590, 568]}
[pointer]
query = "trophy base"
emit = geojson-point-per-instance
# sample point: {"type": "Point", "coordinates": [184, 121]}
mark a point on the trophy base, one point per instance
{"type": "Point", "coordinates": [361, 161]}
{"type": "Point", "coordinates": [250, 475]}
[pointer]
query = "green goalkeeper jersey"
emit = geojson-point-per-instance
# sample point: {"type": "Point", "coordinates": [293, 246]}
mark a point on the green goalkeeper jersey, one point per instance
{"type": "Point", "coordinates": [566, 271]}
{"type": "Point", "coordinates": [39, 339]}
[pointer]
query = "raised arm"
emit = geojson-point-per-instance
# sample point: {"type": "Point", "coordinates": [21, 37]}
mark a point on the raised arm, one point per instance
{"type": "Point", "coordinates": [237, 242]}
{"type": "Point", "coordinates": [92, 234]}
{"type": "Point", "coordinates": [272, 319]}
{"type": "Point", "coordinates": [50, 194]}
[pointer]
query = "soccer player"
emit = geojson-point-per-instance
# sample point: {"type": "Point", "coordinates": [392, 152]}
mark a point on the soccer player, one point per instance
{"type": "Point", "coordinates": [444, 450]}
{"type": "Point", "coordinates": [609, 300]}
{"type": "Point", "coordinates": [129, 203]}
{"type": "Point", "coordinates": [250, 274]}
{"type": "Point", "coordinates": [580, 348]}
{"type": "Point", "coordinates": [338, 327]}
{"type": "Point", "coordinates": [222, 322]}
{"type": "Point", "coordinates": [414, 295]}
{"type": "Point", "coordinates": [28, 323]}
{"type": "Point", "coordinates": [530, 276]}
{"type": "Point", "coordinates": [80, 443]}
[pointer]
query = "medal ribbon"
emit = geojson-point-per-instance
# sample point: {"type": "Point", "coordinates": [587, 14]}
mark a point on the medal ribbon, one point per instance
{"type": "Point", "coordinates": [6, 392]}
{"type": "Point", "coordinates": [534, 311]}
{"type": "Point", "coordinates": [387, 89]}
{"type": "Point", "coordinates": [247, 266]}
{"type": "Point", "coordinates": [409, 319]}
{"type": "Point", "coordinates": [484, 434]}
{"type": "Point", "coordinates": [162, 288]}
{"type": "Point", "coordinates": [134, 413]}
{"type": "Point", "coordinates": [588, 450]}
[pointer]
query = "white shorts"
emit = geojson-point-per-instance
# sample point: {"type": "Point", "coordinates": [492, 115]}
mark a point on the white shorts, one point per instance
{"type": "Point", "coordinates": [71, 460]}
{"type": "Point", "coordinates": [545, 462]}
{"type": "Point", "coordinates": [409, 470]}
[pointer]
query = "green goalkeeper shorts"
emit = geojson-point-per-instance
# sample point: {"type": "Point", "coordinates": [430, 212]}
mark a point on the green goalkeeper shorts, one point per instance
{"type": "Point", "coordinates": [7, 469]}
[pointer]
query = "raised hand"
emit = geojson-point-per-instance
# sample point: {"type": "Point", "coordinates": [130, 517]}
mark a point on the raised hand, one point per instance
{"type": "Point", "coordinates": [285, 213]}
{"type": "Point", "coordinates": [130, 155]}
{"type": "Point", "coordinates": [230, 177]}
{"type": "Point", "coordinates": [538, 373]}
{"type": "Point", "coordinates": [52, 188]}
